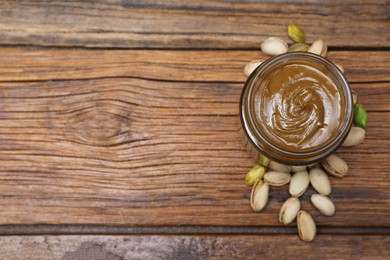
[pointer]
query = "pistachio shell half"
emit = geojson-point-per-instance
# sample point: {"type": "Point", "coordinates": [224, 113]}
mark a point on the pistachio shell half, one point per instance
{"type": "Point", "coordinates": [289, 210]}
{"type": "Point", "coordinates": [356, 136]}
{"type": "Point", "coordinates": [335, 166]}
{"type": "Point", "coordinates": [306, 226]}
{"type": "Point", "coordinates": [299, 183]}
{"type": "Point", "coordinates": [323, 204]}
{"type": "Point", "coordinates": [259, 195]}
{"type": "Point", "coordinates": [279, 167]}
{"type": "Point", "coordinates": [275, 178]}
{"type": "Point", "coordinates": [274, 46]}
{"type": "Point", "coordinates": [251, 66]}
{"type": "Point", "coordinates": [320, 181]}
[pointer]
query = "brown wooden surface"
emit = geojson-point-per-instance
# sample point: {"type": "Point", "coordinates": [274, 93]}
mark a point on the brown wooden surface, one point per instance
{"type": "Point", "coordinates": [190, 24]}
{"type": "Point", "coordinates": [114, 140]}
{"type": "Point", "coordinates": [194, 247]}
{"type": "Point", "coordinates": [122, 150]}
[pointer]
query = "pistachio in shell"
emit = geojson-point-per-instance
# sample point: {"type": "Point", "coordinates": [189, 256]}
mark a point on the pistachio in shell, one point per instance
{"type": "Point", "coordinates": [274, 46]}
{"type": "Point", "coordinates": [320, 181]}
{"type": "Point", "coordinates": [335, 166]}
{"type": "Point", "coordinates": [299, 183]}
{"type": "Point", "coordinates": [306, 226]}
{"type": "Point", "coordinates": [289, 210]}
{"type": "Point", "coordinates": [356, 136]}
{"type": "Point", "coordinates": [251, 66]}
{"type": "Point", "coordinates": [279, 167]}
{"type": "Point", "coordinates": [259, 195]}
{"type": "Point", "coordinates": [318, 47]}
{"type": "Point", "coordinates": [324, 204]}
{"type": "Point", "coordinates": [275, 178]}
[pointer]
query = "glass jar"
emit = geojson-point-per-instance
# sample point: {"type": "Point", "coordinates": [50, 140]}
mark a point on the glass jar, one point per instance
{"type": "Point", "coordinates": [258, 132]}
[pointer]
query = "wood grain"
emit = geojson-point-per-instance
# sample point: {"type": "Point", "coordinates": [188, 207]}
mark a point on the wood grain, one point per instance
{"type": "Point", "coordinates": [126, 151]}
{"type": "Point", "coordinates": [194, 247]}
{"type": "Point", "coordinates": [193, 24]}
{"type": "Point", "coordinates": [215, 66]}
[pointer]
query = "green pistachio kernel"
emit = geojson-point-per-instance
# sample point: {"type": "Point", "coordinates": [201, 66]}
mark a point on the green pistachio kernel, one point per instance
{"type": "Point", "coordinates": [360, 116]}
{"type": "Point", "coordinates": [254, 174]}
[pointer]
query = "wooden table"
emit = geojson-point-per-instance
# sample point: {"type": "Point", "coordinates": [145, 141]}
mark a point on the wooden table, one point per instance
{"type": "Point", "coordinates": [118, 127]}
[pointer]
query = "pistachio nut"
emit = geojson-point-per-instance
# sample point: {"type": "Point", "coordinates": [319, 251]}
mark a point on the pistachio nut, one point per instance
{"type": "Point", "coordinates": [275, 178]}
{"type": "Point", "coordinates": [360, 116]}
{"type": "Point", "coordinates": [318, 47]}
{"type": "Point", "coordinates": [279, 167]}
{"type": "Point", "coordinates": [289, 210]}
{"type": "Point", "coordinates": [320, 181]}
{"type": "Point", "coordinates": [340, 67]}
{"type": "Point", "coordinates": [259, 195]}
{"type": "Point", "coordinates": [299, 183]}
{"type": "Point", "coordinates": [254, 174]}
{"type": "Point", "coordinates": [323, 204]}
{"type": "Point", "coordinates": [335, 166]}
{"type": "Point", "coordinates": [298, 168]}
{"type": "Point", "coordinates": [295, 33]}
{"type": "Point", "coordinates": [356, 136]}
{"type": "Point", "coordinates": [298, 47]}
{"type": "Point", "coordinates": [251, 66]}
{"type": "Point", "coordinates": [306, 226]}
{"type": "Point", "coordinates": [354, 96]}
{"type": "Point", "coordinates": [274, 46]}
{"type": "Point", "coordinates": [263, 160]}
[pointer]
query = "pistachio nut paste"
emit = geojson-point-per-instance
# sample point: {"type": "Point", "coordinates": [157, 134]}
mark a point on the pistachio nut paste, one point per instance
{"type": "Point", "coordinates": [298, 106]}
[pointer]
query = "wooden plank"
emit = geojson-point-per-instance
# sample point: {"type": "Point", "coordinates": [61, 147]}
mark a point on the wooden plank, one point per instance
{"type": "Point", "coordinates": [174, 24]}
{"type": "Point", "coordinates": [220, 66]}
{"type": "Point", "coordinates": [125, 151]}
{"type": "Point", "coordinates": [194, 247]}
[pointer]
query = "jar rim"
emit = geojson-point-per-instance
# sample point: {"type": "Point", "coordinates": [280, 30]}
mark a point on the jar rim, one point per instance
{"type": "Point", "coordinates": [277, 153]}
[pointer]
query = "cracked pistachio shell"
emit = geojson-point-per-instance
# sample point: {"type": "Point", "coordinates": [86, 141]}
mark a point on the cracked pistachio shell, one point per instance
{"type": "Point", "coordinates": [335, 166]}
{"type": "Point", "coordinates": [259, 195]}
{"type": "Point", "coordinates": [254, 174]}
{"type": "Point", "coordinates": [274, 46]}
{"type": "Point", "coordinates": [299, 183]}
{"type": "Point", "coordinates": [275, 178]}
{"type": "Point", "coordinates": [251, 66]}
{"type": "Point", "coordinates": [323, 204]}
{"type": "Point", "coordinates": [306, 226]}
{"type": "Point", "coordinates": [320, 181]}
{"type": "Point", "coordinates": [279, 167]}
{"type": "Point", "coordinates": [356, 136]}
{"type": "Point", "coordinates": [289, 210]}
{"type": "Point", "coordinates": [318, 47]}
